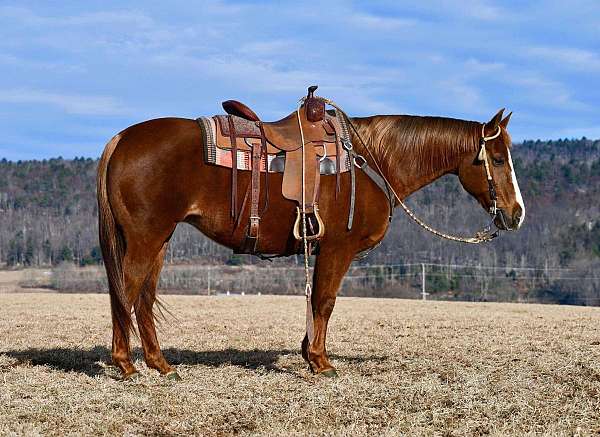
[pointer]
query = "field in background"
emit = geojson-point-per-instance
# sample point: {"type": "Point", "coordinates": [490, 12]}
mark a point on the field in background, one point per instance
{"type": "Point", "coordinates": [210, 279]}
{"type": "Point", "coordinates": [25, 280]}
{"type": "Point", "coordinates": [405, 366]}
{"type": "Point", "coordinates": [477, 283]}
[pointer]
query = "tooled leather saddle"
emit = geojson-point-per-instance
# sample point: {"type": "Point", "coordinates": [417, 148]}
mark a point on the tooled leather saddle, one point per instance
{"type": "Point", "coordinates": [241, 141]}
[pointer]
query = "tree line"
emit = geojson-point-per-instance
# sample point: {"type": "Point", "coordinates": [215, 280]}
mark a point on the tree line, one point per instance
{"type": "Point", "coordinates": [48, 216]}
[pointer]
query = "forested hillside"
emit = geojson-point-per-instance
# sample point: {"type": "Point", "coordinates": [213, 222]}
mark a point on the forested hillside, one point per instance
{"type": "Point", "coordinates": [48, 216]}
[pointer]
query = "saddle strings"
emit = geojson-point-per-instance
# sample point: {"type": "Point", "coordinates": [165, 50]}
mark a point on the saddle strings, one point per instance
{"type": "Point", "coordinates": [482, 236]}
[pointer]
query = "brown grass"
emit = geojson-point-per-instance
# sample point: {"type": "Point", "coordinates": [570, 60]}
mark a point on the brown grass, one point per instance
{"type": "Point", "coordinates": [24, 281]}
{"type": "Point", "coordinates": [406, 367]}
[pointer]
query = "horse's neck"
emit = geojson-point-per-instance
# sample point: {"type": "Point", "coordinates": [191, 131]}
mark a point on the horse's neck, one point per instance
{"type": "Point", "coordinates": [407, 178]}
{"type": "Point", "coordinates": [400, 166]}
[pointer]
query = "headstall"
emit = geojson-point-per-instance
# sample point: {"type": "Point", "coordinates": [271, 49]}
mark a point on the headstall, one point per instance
{"type": "Point", "coordinates": [483, 157]}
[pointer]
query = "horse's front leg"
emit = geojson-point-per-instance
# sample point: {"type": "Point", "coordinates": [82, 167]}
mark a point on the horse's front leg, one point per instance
{"type": "Point", "coordinates": [330, 268]}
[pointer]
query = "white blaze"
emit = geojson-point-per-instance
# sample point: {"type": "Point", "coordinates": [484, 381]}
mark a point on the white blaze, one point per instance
{"type": "Point", "coordinates": [517, 190]}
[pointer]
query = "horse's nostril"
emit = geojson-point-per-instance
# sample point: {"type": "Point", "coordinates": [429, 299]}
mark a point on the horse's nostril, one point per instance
{"type": "Point", "coordinates": [517, 218]}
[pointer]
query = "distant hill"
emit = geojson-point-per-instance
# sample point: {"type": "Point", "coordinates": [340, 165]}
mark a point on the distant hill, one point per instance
{"type": "Point", "coordinates": [48, 216]}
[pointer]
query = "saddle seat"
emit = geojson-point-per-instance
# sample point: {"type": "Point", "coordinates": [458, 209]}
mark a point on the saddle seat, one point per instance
{"type": "Point", "coordinates": [283, 134]}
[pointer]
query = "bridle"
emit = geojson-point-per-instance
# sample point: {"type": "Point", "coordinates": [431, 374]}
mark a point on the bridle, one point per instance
{"type": "Point", "coordinates": [482, 236]}
{"type": "Point", "coordinates": [482, 156]}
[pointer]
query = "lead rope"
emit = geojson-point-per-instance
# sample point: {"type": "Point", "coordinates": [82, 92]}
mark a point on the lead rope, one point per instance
{"type": "Point", "coordinates": [482, 236]}
{"type": "Point", "coordinates": [310, 333]}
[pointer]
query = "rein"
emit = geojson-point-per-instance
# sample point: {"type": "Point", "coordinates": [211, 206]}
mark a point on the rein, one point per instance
{"type": "Point", "coordinates": [484, 235]}
{"type": "Point", "coordinates": [381, 181]}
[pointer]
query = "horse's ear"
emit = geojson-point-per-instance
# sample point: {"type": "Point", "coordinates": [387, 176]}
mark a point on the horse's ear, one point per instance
{"type": "Point", "coordinates": [493, 124]}
{"type": "Point", "coordinates": [505, 121]}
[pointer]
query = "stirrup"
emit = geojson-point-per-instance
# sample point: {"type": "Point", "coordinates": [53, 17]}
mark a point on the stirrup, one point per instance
{"type": "Point", "coordinates": [298, 222]}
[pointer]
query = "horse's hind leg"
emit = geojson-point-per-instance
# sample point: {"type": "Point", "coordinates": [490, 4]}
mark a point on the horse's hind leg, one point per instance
{"type": "Point", "coordinates": [146, 322]}
{"type": "Point", "coordinates": [138, 261]}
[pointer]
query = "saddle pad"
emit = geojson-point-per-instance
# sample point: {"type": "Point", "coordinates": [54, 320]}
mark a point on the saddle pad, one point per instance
{"type": "Point", "coordinates": [220, 154]}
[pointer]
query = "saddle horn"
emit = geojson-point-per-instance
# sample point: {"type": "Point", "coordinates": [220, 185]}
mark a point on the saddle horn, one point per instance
{"type": "Point", "coordinates": [315, 107]}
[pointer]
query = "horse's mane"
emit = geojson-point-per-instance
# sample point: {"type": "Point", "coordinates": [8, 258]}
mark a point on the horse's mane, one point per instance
{"type": "Point", "coordinates": [428, 144]}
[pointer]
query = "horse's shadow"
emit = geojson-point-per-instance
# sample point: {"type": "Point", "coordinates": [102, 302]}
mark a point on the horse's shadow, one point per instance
{"type": "Point", "coordinates": [92, 361]}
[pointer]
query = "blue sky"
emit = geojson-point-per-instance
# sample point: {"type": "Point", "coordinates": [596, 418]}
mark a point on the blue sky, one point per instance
{"type": "Point", "coordinates": [74, 73]}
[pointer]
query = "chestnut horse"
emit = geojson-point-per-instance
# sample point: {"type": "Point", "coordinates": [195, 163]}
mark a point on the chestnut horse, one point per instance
{"type": "Point", "coordinates": [152, 176]}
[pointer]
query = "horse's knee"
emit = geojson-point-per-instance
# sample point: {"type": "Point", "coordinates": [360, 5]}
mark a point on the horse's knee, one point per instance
{"type": "Point", "coordinates": [324, 307]}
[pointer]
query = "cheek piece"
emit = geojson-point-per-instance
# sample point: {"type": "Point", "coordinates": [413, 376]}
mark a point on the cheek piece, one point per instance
{"type": "Point", "coordinates": [483, 157]}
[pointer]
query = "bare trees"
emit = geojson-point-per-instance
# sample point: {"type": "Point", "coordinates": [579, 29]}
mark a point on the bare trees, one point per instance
{"type": "Point", "coordinates": [48, 216]}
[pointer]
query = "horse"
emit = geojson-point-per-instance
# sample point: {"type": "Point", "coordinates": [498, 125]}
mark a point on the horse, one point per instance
{"type": "Point", "coordinates": [152, 175]}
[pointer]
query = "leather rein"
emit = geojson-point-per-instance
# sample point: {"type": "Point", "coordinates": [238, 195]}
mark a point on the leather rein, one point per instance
{"type": "Point", "coordinates": [380, 180]}
{"type": "Point", "coordinates": [484, 235]}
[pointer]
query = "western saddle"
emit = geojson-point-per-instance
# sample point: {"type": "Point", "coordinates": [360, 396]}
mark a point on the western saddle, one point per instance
{"type": "Point", "coordinates": [310, 138]}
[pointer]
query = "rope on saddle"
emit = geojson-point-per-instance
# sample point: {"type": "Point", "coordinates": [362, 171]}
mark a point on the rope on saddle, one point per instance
{"type": "Point", "coordinates": [310, 333]}
{"type": "Point", "coordinates": [482, 236]}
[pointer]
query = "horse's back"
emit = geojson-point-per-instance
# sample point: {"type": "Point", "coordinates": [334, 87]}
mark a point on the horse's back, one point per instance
{"type": "Point", "coordinates": [168, 135]}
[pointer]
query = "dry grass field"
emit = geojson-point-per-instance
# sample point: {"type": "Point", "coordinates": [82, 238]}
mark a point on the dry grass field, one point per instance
{"type": "Point", "coordinates": [11, 280]}
{"type": "Point", "coordinates": [427, 368]}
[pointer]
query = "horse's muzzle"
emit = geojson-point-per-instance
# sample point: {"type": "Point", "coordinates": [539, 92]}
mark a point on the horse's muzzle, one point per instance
{"type": "Point", "coordinates": [505, 222]}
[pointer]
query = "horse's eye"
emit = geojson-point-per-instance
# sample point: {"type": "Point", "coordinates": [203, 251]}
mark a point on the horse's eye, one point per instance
{"type": "Point", "coordinates": [498, 161]}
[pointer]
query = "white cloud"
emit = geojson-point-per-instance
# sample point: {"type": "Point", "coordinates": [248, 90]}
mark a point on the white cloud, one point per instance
{"type": "Point", "coordinates": [269, 48]}
{"type": "Point", "coordinates": [70, 103]}
{"type": "Point", "coordinates": [480, 9]}
{"type": "Point", "coordinates": [380, 23]}
{"type": "Point", "coordinates": [545, 92]}
{"type": "Point", "coordinates": [113, 18]}
{"type": "Point", "coordinates": [577, 58]}
{"type": "Point", "coordinates": [123, 31]}
{"type": "Point", "coordinates": [28, 17]}
{"type": "Point", "coordinates": [462, 95]}
{"type": "Point", "coordinates": [16, 61]}
{"type": "Point", "coordinates": [577, 131]}
{"type": "Point", "coordinates": [477, 66]}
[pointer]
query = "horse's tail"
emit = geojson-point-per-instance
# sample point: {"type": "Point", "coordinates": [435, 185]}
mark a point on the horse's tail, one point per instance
{"type": "Point", "coordinates": [112, 244]}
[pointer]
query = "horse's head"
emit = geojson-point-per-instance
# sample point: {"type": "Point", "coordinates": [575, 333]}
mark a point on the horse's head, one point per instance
{"type": "Point", "coordinates": [490, 173]}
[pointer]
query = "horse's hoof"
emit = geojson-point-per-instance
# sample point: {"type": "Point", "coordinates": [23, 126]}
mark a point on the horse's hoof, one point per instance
{"type": "Point", "coordinates": [173, 376]}
{"type": "Point", "coordinates": [330, 373]}
{"type": "Point", "coordinates": [133, 376]}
